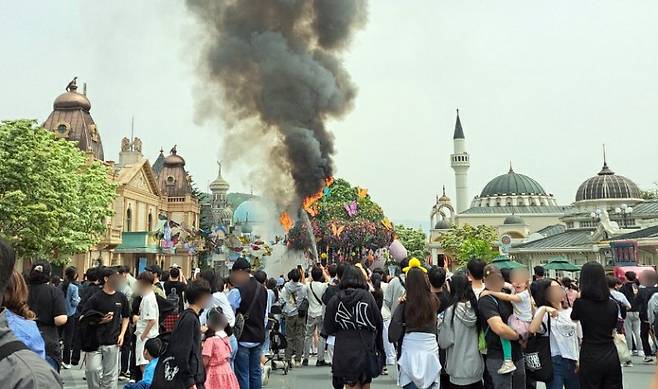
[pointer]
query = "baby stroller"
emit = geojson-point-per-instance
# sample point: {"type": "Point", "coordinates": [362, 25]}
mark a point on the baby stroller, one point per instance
{"type": "Point", "coordinates": [278, 342]}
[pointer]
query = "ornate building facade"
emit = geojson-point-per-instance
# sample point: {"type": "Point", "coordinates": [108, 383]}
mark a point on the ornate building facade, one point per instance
{"type": "Point", "coordinates": [607, 208]}
{"type": "Point", "coordinates": [155, 213]}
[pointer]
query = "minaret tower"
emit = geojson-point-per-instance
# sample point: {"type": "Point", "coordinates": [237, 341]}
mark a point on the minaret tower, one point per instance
{"type": "Point", "coordinates": [460, 161]}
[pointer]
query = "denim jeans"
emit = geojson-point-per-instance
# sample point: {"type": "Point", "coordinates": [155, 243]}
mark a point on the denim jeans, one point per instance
{"type": "Point", "coordinates": [514, 380]}
{"type": "Point", "coordinates": [234, 349]}
{"type": "Point", "coordinates": [247, 367]}
{"type": "Point", "coordinates": [564, 374]}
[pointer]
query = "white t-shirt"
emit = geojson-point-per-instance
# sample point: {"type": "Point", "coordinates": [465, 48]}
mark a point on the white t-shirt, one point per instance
{"type": "Point", "coordinates": [219, 299]}
{"type": "Point", "coordinates": [315, 307]}
{"type": "Point", "coordinates": [148, 310]}
{"type": "Point", "coordinates": [523, 309]}
{"type": "Point", "coordinates": [564, 334]}
{"type": "Point", "coordinates": [477, 291]}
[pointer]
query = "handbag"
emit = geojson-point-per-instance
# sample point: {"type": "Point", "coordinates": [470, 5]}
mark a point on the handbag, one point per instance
{"type": "Point", "coordinates": [447, 331]}
{"type": "Point", "coordinates": [375, 360]}
{"type": "Point", "coordinates": [537, 356]}
{"type": "Point", "coordinates": [622, 347]}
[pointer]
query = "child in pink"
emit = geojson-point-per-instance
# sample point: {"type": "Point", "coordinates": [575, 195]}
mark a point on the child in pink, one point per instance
{"type": "Point", "coordinates": [216, 353]}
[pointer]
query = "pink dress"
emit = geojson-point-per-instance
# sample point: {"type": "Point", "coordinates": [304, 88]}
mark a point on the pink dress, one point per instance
{"type": "Point", "coordinates": [218, 371]}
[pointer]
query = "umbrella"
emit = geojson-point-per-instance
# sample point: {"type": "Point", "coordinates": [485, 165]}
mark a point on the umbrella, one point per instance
{"type": "Point", "coordinates": [503, 262]}
{"type": "Point", "coordinates": [561, 264]}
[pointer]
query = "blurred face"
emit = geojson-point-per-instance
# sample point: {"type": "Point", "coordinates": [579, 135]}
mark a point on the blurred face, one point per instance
{"type": "Point", "coordinates": [115, 281]}
{"type": "Point", "coordinates": [494, 282]}
{"type": "Point", "coordinates": [519, 281]}
{"type": "Point", "coordinates": [239, 277]}
{"type": "Point", "coordinates": [204, 300]}
{"type": "Point", "coordinates": [555, 294]}
{"type": "Point", "coordinates": [144, 287]}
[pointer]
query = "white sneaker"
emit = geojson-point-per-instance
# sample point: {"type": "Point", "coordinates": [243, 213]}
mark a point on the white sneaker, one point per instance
{"type": "Point", "coordinates": [508, 367]}
{"type": "Point", "coordinates": [66, 366]}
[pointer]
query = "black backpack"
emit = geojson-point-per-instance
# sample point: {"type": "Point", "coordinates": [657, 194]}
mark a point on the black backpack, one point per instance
{"type": "Point", "coordinates": [174, 299]}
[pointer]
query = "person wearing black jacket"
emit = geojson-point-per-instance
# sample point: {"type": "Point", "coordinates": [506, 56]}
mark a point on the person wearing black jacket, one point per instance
{"type": "Point", "coordinates": [648, 287]}
{"type": "Point", "coordinates": [181, 364]}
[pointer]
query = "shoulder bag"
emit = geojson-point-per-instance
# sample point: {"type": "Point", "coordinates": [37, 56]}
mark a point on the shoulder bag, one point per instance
{"type": "Point", "coordinates": [537, 355]}
{"type": "Point", "coordinates": [241, 319]}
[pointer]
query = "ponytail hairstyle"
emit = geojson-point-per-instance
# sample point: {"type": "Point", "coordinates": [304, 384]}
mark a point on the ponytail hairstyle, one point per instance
{"type": "Point", "coordinates": [70, 275]}
{"type": "Point", "coordinates": [15, 296]}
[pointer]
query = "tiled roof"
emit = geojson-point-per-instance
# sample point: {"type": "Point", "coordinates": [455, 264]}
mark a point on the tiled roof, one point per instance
{"type": "Point", "coordinates": [517, 210]}
{"type": "Point", "coordinates": [567, 239]}
{"type": "Point", "coordinates": [552, 230]}
{"type": "Point", "coordinates": [648, 232]}
{"type": "Point", "coordinates": [649, 207]}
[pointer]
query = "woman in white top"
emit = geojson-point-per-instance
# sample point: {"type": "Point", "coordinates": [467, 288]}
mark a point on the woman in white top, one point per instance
{"type": "Point", "coordinates": [564, 333]}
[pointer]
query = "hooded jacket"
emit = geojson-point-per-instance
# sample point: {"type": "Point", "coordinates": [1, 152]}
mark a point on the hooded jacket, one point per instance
{"type": "Point", "coordinates": [464, 362]}
{"type": "Point", "coordinates": [292, 294]}
{"type": "Point", "coordinates": [28, 370]}
{"type": "Point", "coordinates": [354, 318]}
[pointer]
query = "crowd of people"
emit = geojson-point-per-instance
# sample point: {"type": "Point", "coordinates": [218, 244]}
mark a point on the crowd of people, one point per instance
{"type": "Point", "coordinates": [480, 327]}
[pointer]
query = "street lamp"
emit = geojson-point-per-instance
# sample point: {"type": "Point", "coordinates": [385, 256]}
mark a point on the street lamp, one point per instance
{"type": "Point", "coordinates": [624, 210]}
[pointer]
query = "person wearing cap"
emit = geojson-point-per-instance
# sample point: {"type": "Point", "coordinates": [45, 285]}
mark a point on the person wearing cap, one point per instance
{"type": "Point", "coordinates": [49, 304]}
{"type": "Point", "coordinates": [414, 329]}
{"type": "Point", "coordinates": [249, 299]}
{"type": "Point", "coordinates": [494, 314]}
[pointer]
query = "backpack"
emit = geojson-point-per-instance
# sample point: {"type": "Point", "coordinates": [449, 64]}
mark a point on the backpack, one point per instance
{"type": "Point", "coordinates": [174, 300]}
{"type": "Point", "coordinates": [10, 348]}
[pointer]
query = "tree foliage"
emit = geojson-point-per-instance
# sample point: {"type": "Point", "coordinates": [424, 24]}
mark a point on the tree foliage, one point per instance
{"type": "Point", "coordinates": [651, 194]}
{"type": "Point", "coordinates": [414, 240]}
{"type": "Point", "coordinates": [365, 229]}
{"type": "Point", "coordinates": [466, 242]}
{"type": "Point", "coordinates": [54, 202]}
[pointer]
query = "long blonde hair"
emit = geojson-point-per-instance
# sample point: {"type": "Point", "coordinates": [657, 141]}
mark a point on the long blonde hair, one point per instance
{"type": "Point", "coordinates": [15, 298]}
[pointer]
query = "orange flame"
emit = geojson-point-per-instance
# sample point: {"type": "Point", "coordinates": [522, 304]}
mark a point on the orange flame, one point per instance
{"type": "Point", "coordinates": [309, 203]}
{"type": "Point", "coordinates": [286, 221]}
{"type": "Point", "coordinates": [329, 181]}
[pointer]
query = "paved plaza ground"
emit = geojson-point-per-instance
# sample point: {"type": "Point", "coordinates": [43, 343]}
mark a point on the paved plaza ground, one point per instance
{"type": "Point", "coordinates": [636, 377]}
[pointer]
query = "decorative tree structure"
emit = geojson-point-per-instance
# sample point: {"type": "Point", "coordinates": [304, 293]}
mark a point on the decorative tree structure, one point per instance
{"type": "Point", "coordinates": [345, 222]}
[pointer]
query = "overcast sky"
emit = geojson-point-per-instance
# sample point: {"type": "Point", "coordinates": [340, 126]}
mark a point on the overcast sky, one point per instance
{"type": "Point", "coordinates": [542, 84]}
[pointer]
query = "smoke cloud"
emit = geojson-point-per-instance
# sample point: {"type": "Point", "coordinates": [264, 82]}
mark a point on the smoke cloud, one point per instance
{"type": "Point", "coordinates": [271, 69]}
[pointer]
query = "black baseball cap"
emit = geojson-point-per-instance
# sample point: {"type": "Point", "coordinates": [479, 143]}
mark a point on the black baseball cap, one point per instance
{"type": "Point", "coordinates": [241, 264]}
{"type": "Point", "coordinates": [154, 269]}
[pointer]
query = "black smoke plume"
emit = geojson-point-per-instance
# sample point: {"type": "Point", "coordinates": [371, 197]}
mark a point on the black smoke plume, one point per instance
{"type": "Point", "coordinates": [274, 67]}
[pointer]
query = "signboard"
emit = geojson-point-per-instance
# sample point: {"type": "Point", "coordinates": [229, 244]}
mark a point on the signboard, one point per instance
{"type": "Point", "coordinates": [505, 244]}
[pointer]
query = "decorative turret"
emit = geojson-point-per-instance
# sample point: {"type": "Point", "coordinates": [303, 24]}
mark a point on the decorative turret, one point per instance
{"type": "Point", "coordinates": [71, 120]}
{"type": "Point", "coordinates": [222, 212]}
{"type": "Point", "coordinates": [460, 162]}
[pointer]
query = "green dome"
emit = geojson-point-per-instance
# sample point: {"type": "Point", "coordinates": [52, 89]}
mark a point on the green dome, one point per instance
{"type": "Point", "coordinates": [512, 184]}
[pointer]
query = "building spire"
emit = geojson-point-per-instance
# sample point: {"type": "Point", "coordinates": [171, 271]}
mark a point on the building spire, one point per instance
{"type": "Point", "coordinates": [605, 170]}
{"type": "Point", "coordinates": [510, 168]}
{"type": "Point", "coordinates": [459, 132]}
{"type": "Point", "coordinates": [219, 169]}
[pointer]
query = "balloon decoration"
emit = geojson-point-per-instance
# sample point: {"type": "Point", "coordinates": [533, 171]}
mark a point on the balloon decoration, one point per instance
{"type": "Point", "coordinates": [397, 250]}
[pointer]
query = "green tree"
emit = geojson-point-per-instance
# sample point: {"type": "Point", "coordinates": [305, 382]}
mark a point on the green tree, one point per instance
{"type": "Point", "coordinates": [651, 194]}
{"type": "Point", "coordinates": [415, 241]}
{"type": "Point", "coordinates": [54, 201]}
{"type": "Point", "coordinates": [466, 242]}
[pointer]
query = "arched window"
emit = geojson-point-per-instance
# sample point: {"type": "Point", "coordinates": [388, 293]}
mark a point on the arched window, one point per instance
{"type": "Point", "coordinates": [149, 221]}
{"type": "Point", "coordinates": [129, 220]}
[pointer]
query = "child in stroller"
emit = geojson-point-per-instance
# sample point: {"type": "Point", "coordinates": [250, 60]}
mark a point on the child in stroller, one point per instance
{"type": "Point", "coordinates": [278, 342]}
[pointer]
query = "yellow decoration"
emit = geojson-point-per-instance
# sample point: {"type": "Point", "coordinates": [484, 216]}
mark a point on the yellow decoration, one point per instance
{"type": "Point", "coordinates": [414, 263]}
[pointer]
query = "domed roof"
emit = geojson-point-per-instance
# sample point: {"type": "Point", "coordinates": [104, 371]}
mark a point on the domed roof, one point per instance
{"type": "Point", "coordinates": [225, 213]}
{"type": "Point", "coordinates": [513, 219]}
{"type": "Point", "coordinates": [607, 185]}
{"type": "Point", "coordinates": [219, 184]}
{"type": "Point", "coordinates": [251, 210]}
{"type": "Point", "coordinates": [72, 100]}
{"type": "Point", "coordinates": [512, 183]}
{"type": "Point", "coordinates": [174, 159]}
{"type": "Point", "coordinates": [441, 225]}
